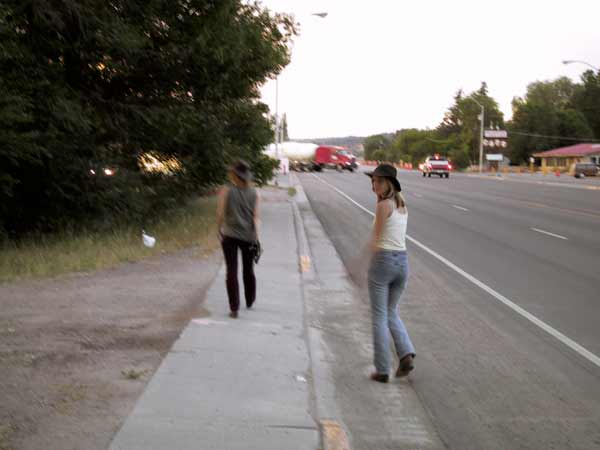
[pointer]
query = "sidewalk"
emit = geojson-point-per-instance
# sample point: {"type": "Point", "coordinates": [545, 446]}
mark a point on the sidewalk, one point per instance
{"type": "Point", "coordinates": [237, 384]}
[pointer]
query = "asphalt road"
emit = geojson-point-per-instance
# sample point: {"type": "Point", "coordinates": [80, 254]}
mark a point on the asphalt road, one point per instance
{"type": "Point", "coordinates": [488, 376]}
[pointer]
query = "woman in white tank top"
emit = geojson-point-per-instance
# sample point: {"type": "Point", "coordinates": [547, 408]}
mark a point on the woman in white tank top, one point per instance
{"type": "Point", "coordinates": [388, 274]}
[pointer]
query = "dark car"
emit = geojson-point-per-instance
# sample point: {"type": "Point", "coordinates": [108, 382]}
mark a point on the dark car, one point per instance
{"type": "Point", "coordinates": [586, 170]}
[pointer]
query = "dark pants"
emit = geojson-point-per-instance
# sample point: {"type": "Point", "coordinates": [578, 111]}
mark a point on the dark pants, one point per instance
{"type": "Point", "coordinates": [230, 250]}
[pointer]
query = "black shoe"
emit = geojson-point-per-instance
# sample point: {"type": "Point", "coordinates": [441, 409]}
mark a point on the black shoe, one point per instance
{"type": "Point", "coordinates": [233, 314]}
{"type": "Point", "coordinates": [406, 366]}
{"type": "Point", "coordinates": [380, 377]}
{"type": "Point", "coordinates": [250, 305]}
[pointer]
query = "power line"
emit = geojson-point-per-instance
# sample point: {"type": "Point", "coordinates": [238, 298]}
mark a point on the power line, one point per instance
{"type": "Point", "coordinates": [565, 138]}
{"type": "Point", "coordinates": [438, 141]}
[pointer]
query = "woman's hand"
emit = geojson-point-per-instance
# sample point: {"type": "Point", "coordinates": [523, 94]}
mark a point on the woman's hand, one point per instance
{"type": "Point", "coordinates": [358, 265]}
{"type": "Point", "coordinates": [221, 200]}
{"type": "Point", "coordinates": [373, 246]}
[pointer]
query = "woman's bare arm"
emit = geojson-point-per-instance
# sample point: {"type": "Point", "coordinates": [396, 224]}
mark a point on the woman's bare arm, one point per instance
{"type": "Point", "coordinates": [257, 213]}
{"type": "Point", "coordinates": [382, 212]}
{"type": "Point", "coordinates": [221, 207]}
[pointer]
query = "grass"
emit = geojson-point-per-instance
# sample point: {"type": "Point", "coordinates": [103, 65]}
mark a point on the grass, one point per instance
{"type": "Point", "coordinates": [191, 226]}
{"type": "Point", "coordinates": [133, 374]}
{"type": "Point", "coordinates": [69, 394]}
{"type": "Point", "coordinates": [291, 191]}
{"type": "Point", "coordinates": [6, 430]}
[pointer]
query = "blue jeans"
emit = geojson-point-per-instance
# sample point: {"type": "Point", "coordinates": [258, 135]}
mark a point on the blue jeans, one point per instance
{"type": "Point", "coordinates": [388, 275]}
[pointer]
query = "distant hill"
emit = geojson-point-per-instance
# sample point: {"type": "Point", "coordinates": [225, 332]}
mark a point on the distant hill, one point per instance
{"type": "Point", "coordinates": [353, 143]}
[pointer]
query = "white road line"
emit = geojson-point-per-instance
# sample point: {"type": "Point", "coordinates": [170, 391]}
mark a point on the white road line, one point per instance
{"type": "Point", "coordinates": [550, 234]}
{"type": "Point", "coordinates": [527, 315]}
{"type": "Point", "coordinates": [459, 207]}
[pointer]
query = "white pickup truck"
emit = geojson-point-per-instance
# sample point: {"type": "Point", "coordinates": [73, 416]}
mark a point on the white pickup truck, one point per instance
{"type": "Point", "coordinates": [436, 165]}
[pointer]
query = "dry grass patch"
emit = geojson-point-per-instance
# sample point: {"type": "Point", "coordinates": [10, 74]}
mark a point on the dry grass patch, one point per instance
{"type": "Point", "coordinates": [69, 395]}
{"type": "Point", "coordinates": [6, 430]}
{"type": "Point", "coordinates": [190, 226]}
{"type": "Point", "coordinates": [133, 374]}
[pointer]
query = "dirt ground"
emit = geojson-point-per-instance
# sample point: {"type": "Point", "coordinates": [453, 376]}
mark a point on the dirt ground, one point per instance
{"type": "Point", "coordinates": [77, 351]}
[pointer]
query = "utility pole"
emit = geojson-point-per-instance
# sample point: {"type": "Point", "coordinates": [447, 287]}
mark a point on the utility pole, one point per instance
{"type": "Point", "coordinates": [481, 116]}
{"type": "Point", "coordinates": [278, 131]}
{"type": "Point", "coordinates": [277, 155]}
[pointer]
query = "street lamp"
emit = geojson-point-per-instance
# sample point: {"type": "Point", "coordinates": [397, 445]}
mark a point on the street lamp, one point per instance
{"type": "Point", "coordinates": [278, 131]}
{"type": "Point", "coordinates": [277, 155]}
{"type": "Point", "coordinates": [571, 61]}
{"type": "Point", "coordinates": [480, 134]}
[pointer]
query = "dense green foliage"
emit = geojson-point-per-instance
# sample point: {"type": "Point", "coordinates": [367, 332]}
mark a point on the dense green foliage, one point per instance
{"type": "Point", "coordinates": [546, 113]}
{"type": "Point", "coordinates": [376, 145]}
{"type": "Point", "coordinates": [89, 85]}
{"type": "Point", "coordinates": [457, 136]}
{"type": "Point", "coordinates": [552, 114]}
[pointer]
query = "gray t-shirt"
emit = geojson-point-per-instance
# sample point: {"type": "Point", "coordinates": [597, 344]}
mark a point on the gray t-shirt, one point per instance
{"type": "Point", "coordinates": [239, 214]}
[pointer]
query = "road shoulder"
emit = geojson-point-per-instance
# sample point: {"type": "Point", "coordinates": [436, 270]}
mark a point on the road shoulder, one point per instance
{"type": "Point", "coordinates": [374, 415]}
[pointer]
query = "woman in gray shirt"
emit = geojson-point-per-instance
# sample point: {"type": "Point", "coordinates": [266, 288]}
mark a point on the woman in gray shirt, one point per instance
{"type": "Point", "coordinates": [237, 221]}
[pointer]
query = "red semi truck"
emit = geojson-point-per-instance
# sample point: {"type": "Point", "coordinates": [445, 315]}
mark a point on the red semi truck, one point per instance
{"type": "Point", "coordinates": [327, 156]}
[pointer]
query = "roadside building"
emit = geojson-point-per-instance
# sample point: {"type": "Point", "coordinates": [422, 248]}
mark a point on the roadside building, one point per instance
{"type": "Point", "coordinates": [564, 158]}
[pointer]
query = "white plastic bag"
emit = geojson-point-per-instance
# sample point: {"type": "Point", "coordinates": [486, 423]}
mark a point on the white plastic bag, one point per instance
{"type": "Point", "coordinates": [148, 241]}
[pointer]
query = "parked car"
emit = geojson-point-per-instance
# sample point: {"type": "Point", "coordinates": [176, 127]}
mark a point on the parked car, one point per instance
{"type": "Point", "coordinates": [586, 170]}
{"type": "Point", "coordinates": [436, 165]}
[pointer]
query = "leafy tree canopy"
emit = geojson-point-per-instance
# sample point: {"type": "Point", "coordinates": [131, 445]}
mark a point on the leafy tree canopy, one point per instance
{"type": "Point", "coordinates": [88, 85]}
{"type": "Point", "coordinates": [546, 117]}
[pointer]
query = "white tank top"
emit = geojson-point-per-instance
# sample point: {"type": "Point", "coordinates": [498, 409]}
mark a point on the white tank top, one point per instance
{"type": "Point", "coordinates": [393, 235]}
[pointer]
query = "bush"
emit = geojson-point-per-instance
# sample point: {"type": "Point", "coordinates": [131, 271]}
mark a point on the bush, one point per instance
{"type": "Point", "coordinates": [94, 85]}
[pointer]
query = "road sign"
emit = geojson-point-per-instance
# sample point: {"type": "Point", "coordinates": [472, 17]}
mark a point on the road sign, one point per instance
{"type": "Point", "coordinates": [495, 134]}
{"type": "Point", "coordinates": [495, 143]}
{"type": "Point", "coordinates": [495, 140]}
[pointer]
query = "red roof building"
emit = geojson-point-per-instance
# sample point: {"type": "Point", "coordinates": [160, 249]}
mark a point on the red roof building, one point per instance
{"type": "Point", "coordinates": [565, 157]}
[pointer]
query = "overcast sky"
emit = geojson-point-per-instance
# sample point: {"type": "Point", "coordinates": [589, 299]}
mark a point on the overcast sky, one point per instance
{"type": "Point", "coordinates": [382, 65]}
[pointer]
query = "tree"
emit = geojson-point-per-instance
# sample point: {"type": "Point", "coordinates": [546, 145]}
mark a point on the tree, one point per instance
{"type": "Point", "coordinates": [545, 119]}
{"type": "Point", "coordinates": [586, 99]}
{"type": "Point", "coordinates": [380, 155]}
{"type": "Point", "coordinates": [457, 136]}
{"type": "Point", "coordinates": [90, 84]}
{"type": "Point", "coordinates": [413, 145]}
{"type": "Point", "coordinates": [461, 123]}
{"type": "Point", "coordinates": [377, 142]}
{"type": "Point", "coordinates": [453, 118]}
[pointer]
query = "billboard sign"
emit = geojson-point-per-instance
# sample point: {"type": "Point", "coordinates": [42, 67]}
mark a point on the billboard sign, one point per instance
{"type": "Point", "coordinates": [495, 134]}
{"type": "Point", "coordinates": [495, 139]}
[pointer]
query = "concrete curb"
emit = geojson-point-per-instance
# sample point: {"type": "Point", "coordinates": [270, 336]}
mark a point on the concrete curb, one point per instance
{"type": "Point", "coordinates": [332, 433]}
{"type": "Point", "coordinates": [304, 259]}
